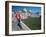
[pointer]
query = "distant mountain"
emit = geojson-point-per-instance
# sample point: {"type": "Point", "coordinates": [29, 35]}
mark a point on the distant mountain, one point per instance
{"type": "Point", "coordinates": [27, 13]}
{"type": "Point", "coordinates": [38, 13]}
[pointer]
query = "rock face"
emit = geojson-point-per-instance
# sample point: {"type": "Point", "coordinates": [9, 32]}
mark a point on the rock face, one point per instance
{"type": "Point", "coordinates": [15, 26]}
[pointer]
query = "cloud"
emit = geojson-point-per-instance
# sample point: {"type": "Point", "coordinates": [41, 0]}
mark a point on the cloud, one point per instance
{"type": "Point", "coordinates": [25, 9]}
{"type": "Point", "coordinates": [30, 10]}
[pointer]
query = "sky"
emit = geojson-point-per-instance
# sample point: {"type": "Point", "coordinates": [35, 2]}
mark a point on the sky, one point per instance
{"type": "Point", "coordinates": [33, 9]}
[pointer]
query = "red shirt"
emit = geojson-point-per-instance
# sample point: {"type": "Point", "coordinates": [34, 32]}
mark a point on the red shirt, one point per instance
{"type": "Point", "coordinates": [18, 15]}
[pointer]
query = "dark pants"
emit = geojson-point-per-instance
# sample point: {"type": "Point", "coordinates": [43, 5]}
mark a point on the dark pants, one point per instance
{"type": "Point", "coordinates": [19, 24]}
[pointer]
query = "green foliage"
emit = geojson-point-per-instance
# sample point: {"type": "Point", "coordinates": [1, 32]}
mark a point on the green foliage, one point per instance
{"type": "Point", "coordinates": [33, 23]}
